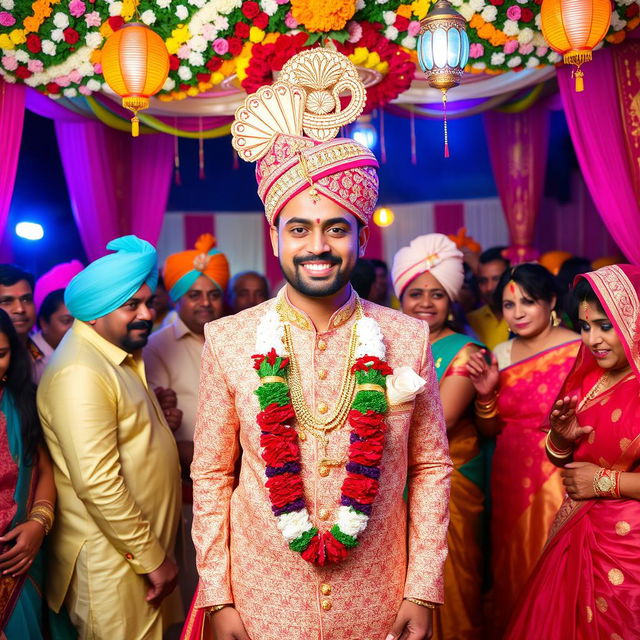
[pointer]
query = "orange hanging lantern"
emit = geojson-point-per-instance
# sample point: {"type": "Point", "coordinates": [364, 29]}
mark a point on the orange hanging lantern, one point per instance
{"type": "Point", "coordinates": [135, 64]}
{"type": "Point", "coordinates": [573, 28]}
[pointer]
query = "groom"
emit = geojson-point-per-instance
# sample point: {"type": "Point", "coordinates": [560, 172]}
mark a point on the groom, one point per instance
{"type": "Point", "coordinates": [321, 392]}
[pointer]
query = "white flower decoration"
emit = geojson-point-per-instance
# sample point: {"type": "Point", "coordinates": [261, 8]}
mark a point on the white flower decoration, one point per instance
{"type": "Point", "coordinates": [93, 39]}
{"type": "Point", "coordinates": [533, 62]}
{"type": "Point", "coordinates": [525, 36]}
{"type": "Point", "coordinates": [57, 35]}
{"type": "Point", "coordinates": [21, 55]}
{"type": "Point", "coordinates": [7, 4]}
{"type": "Point", "coordinates": [169, 84]}
{"type": "Point", "coordinates": [409, 42]}
{"type": "Point", "coordinates": [554, 57]}
{"type": "Point", "coordinates": [115, 8]}
{"type": "Point", "coordinates": [497, 58]}
{"type": "Point", "coordinates": [196, 59]}
{"type": "Point", "coordinates": [198, 43]}
{"type": "Point", "coordinates": [370, 341]}
{"type": "Point", "coordinates": [477, 5]}
{"type": "Point", "coordinates": [269, 6]}
{"type": "Point", "coordinates": [294, 524]}
{"type": "Point", "coordinates": [94, 85]}
{"type": "Point", "coordinates": [61, 20]}
{"type": "Point", "coordinates": [466, 12]}
{"type": "Point", "coordinates": [184, 73]}
{"type": "Point", "coordinates": [489, 13]}
{"type": "Point", "coordinates": [360, 5]}
{"type": "Point", "coordinates": [404, 385]}
{"type": "Point", "coordinates": [182, 12]}
{"type": "Point", "coordinates": [163, 4]}
{"type": "Point", "coordinates": [516, 61]}
{"type": "Point", "coordinates": [511, 28]}
{"type": "Point", "coordinates": [270, 334]}
{"type": "Point", "coordinates": [69, 92]}
{"type": "Point", "coordinates": [148, 17]}
{"type": "Point", "coordinates": [389, 17]}
{"type": "Point", "coordinates": [390, 33]}
{"type": "Point", "coordinates": [351, 522]}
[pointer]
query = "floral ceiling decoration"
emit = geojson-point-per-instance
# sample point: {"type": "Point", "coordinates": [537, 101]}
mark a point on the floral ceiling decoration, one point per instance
{"type": "Point", "coordinates": [55, 45]}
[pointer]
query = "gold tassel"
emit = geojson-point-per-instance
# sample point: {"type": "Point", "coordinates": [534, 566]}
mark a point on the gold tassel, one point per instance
{"type": "Point", "coordinates": [135, 126]}
{"type": "Point", "coordinates": [446, 129]}
{"type": "Point", "coordinates": [579, 76]}
{"type": "Point", "coordinates": [135, 104]}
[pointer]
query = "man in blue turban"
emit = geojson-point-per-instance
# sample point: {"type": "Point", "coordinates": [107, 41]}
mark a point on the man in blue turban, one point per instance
{"type": "Point", "coordinates": [116, 466]}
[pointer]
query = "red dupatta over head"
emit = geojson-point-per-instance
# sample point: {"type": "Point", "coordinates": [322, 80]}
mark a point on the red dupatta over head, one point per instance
{"type": "Point", "coordinates": [618, 290]}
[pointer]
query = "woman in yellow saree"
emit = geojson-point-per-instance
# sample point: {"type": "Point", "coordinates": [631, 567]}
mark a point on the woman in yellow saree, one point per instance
{"type": "Point", "coordinates": [427, 276]}
{"type": "Point", "coordinates": [515, 396]}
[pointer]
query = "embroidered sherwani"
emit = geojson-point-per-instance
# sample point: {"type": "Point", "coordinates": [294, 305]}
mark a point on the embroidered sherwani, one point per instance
{"type": "Point", "coordinates": [242, 556]}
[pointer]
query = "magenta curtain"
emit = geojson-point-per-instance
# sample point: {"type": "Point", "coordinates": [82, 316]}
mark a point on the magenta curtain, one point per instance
{"type": "Point", "coordinates": [518, 144]}
{"type": "Point", "coordinates": [12, 103]}
{"type": "Point", "coordinates": [595, 123]}
{"type": "Point", "coordinates": [117, 184]}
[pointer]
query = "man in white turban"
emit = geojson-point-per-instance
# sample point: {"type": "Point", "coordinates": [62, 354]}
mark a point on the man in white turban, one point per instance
{"type": "Point", "coordinates": [111, 553]}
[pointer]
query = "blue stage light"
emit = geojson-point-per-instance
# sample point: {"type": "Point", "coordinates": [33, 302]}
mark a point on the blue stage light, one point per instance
{"type": "Point", "coordinates": [29, 230]}
{"type": "Point", "coordinates": [364, 132]}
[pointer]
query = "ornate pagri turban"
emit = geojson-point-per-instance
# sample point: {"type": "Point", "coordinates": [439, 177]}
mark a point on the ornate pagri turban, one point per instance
{"type": "Point", "coordinates": [289, 129]}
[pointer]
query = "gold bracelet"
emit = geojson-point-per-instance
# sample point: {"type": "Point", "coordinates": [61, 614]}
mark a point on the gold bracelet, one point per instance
{"type": "Point", "coordinates": [486, 411]}
{"type": "Point", "coordinates": [423, 603]}
{"type": "Point", "coordinates": [42, 514]}
{"type": "Point", "coordinates": [217, 607]}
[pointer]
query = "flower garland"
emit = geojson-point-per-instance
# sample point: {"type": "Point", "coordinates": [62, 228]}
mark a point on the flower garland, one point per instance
{"type": "Point", "coordinates": [281, 451]}
{"type": "Point", "coordinates": [55, 45]}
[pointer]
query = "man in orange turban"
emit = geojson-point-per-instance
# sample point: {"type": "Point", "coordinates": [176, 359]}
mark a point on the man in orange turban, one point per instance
{"type": "Point", "coordinates": [196, 281]}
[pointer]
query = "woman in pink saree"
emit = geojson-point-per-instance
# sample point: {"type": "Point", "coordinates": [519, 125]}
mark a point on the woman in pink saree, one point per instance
{"type": "Point", "coordinates": [586, 585]}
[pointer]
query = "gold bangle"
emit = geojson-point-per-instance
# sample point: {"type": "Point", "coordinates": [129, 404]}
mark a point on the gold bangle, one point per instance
{"type": "Point", "coordinates": [217, 607]}
{"type": "Point", "coordinates": [423, 603]}
{"type": "Point", "coordinates": [559, 454]}
{"type": "Point", "coordinates": [370, 387]}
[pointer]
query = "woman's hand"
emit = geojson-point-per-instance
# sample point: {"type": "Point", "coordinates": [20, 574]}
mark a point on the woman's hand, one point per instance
{"type": "Point", "coordinates": [577, 478]}
{"type": "Point", "coordinates": [564, 425]}
{"type": "Point", "coordinates": [28, 538]}
{"type": "Point", "coordinates": [483, 376]}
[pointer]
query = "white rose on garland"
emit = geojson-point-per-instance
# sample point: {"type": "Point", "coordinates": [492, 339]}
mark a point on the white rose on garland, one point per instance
{"type": "Point", "coordinates": [269, 7]}
{"type": "Point", "coordinates": [466, 11]}
{"type": "Point", "coordinates": [22, 56]}
{"type": "Point", "coordinates": [516, 61]}
{"type": "Point", "coordinates": [489, 13]}
{"type": "Point", "coordinates": [57, 35]}
{"type": "Point", "coordinates": [169, 84]}
{"type": "Point", "coordinates": [182, 12]}
{"type": "Point", "coordinates": [163, 4]}
{"type": "Point", "coordinates": [115, 8]}
{"type": "Point", "coordinates": [391, 33]}
{"type": "Point", "coordinates": [196, 59]}
{"type": "Point", "coordinates": [389, 17]}
{"type": "Point", "coordinates": [511, 28]}
{"type": "Point", "coordinates": [93, 40]}
{"type": "Point", "coordinates": [477, 5]}
{"type": "Point", "coordinates": [525, 36]}
{"type": "Point", "coordinates": [184, 73]}
{"type": "Point", "coordinates": [7, 5]}
{"type": "Point", "coordinates": [533, 62]}
{"type": "Point", "coordinates": [61, 20]}
{"type": "Point", "coordinates": [403, 386]}
{"type": "Point", "coordinates": [497, 58]}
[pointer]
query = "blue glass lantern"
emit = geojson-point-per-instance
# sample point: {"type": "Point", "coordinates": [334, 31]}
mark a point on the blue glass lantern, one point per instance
{"type": "Point", "coordinates": [443, 51]}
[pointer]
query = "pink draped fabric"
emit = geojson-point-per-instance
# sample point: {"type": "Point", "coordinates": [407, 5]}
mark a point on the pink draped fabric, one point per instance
{"type": "Point", "coordinates": [595, 123]}
{"type": "Point", "coordinates": [518, 144]}
{"type": "Point", "coordinates": [11, 121]}
{"type": "Point", "coordinates": [117, 184]}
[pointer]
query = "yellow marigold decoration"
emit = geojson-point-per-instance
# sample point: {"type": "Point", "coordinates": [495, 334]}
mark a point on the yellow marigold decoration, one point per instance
{"type": "Point", "coordinates": [323, 15]}
{"type": "Point", "coordinates": [18, 36]}
{"type": "Point", "coordinates": [128, 9]}
{"type": "Point", "coordinates": [242, 61]}
{"type": "Point", "coordinates": [617, 37]}
{"type": "Point", "coordinates": [256, 35]}
{"type": "Point", "coordinates": [405, 10]}
{"type": "Point", "coordinates": [105, 30]}
{"type": "Point", "coordinates": [41, 11]}
{"type": "Point", "coordinates": [420, 8]}
{"type": "Point", "coordinates": [5, 42]}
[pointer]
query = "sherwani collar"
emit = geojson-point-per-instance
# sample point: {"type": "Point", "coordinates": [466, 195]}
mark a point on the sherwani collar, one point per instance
{"type": "Point", "coordinates": [290, 313]}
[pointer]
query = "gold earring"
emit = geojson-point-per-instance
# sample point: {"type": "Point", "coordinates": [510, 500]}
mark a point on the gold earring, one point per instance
{"type": "Point", "coordinates": [450, 317]}
{"type": "Point", "coordinates": [555, 321]}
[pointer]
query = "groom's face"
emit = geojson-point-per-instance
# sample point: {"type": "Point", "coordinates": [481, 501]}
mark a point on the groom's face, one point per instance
{"type": "Point", "coordinates": [317, 244]}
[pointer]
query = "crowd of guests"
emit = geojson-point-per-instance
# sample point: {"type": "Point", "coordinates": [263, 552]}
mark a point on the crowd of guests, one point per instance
{"type": "Point", "coordinates": [539, 387]}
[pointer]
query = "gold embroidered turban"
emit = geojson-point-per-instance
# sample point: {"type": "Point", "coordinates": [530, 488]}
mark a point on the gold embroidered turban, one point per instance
{"type": "Point", "coordinates": [289, 129]}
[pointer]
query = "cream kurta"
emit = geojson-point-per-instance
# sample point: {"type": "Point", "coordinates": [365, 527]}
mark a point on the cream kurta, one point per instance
{"type": "Point", "coordinates": [118, 480]}
{"type": "Point", "coordinates": [242, 556]}
{"type": "Point", "coordinates": [172, 360]}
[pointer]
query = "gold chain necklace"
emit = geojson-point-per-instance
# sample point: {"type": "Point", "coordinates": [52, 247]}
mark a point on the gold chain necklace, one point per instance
{"type": "Point", "coordinates": [307, 421]}
{"type": "Point", "coordinates": [595, 390]}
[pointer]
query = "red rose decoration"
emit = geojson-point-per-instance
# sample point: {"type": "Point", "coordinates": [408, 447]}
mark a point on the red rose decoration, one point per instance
{"type": "Point", "coordinates": [213, 65]}
{"type": "Point", "coordinates": [52, 87]}
{"type": "Point", "coordinates": [366, 425]}
{"type": "Point", "coordinates": [360, 488]}
{"type": "Point", "coordinates": [174, 62]}
{"type": "Point", "coordinates": [526, 15]}
{"type": "Point", "coordinates": [250, 9]}
{"type": "Point", "coordinates": [366, 452]}
{"type": "Point", "coordinates": [401, 23]}
{"type": "Point", "coordinates": [261, 21]}
{"type": "Point", "coordinates": [71, 36]}
{"type": "Point", "coordinates": [276, 451]}
{"type": "Point", "coordinates": [242, 30]}
{"type": "Point", "coordinates": [235, 45]}
{"type": "Point", "coordinates": [33, 43]}
{"type": "Point", "coordinates": [324, 549]}
{"type": "Point", "coordinates": [203, 77]}
{"type": "Point", "coordinates": [284, 489]}
{"type": "Point", "coordinates": [115, 22]}
{"type": "Point", "coordinates": [22, 72]}
{"type": "Point", "coordinates": [275, 414]}
{"type": "Point", "coordinates": [497, 3]}
{"type": "Point", "coordinates": [632, 11]}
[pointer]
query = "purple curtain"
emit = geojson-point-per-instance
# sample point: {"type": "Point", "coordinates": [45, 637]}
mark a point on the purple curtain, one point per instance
{"type": "Point", "coordinates": [597, 131]}
{"type": "Point", "coordinates": [518, 144]}
{"type": "Point", "coordinates": [11, 121]}
{"type": "Point", "coordinates": [117, 184]}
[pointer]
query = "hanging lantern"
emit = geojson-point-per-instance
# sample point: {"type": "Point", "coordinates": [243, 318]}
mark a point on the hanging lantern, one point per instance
{"type": "Point", "coordinates": [135, 64]}
{"type": "Point", "coordinates": [383, 217]}
{"type": "Point", "coordinates": [573, 28]}
{"type": "Point", "coordinates": [443, 51]}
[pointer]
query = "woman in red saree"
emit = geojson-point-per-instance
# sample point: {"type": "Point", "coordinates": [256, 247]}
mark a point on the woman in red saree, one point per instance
{"type": "Point", "coordinates": [515, 396]}
{"type": "Point", "coordinates": [587, 583]}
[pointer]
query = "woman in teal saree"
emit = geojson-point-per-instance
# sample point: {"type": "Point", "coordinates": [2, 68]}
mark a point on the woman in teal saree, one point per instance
{"type": "Point", "coordinates": [27, 494]}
